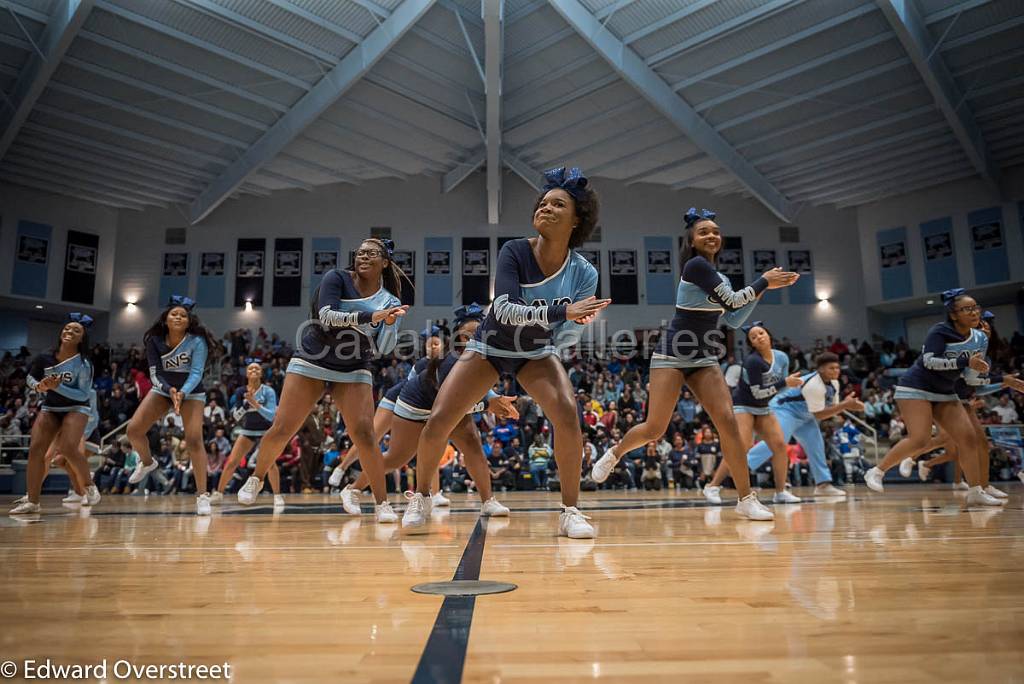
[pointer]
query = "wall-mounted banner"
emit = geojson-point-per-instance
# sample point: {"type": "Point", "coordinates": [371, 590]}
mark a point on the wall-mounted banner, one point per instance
{"type": "Point", "coordinates": [326, 251]}
{"type": "Point", "coordinates": [802, 292]}
{"type": "Point", "coordinates": [730, 262]}
{"type": "Point", "coordinates": [174, 275]}
{"type": "Point", "coordinates": [287, 272]}
{"type": "Point", "coordinates": [766, 260]}
{"type": "Point", "coordinates": [80, 267]}
{"type": "Point", "coordinates": [476, 281]}
{"type": "Point", "coordinates": [210, 284]}
{"type": "Point", "coordinates": [892, 262]}
{"type": "Point", "coordinates": [324, 262]}
{"type": "Point", "coordinates": [989, 246]}
{"type": "Point", "coordinates": [32, 259]}
{"type": "Point", "coordinates": [594, 257]}
{"type": "Point", "coordinates": [622, 280]}
{"type": "Point", "coordinates": [940, 269]}
{"type": "Point", "coordinates": [659, 261]}
{"type": "Point", "coordinates": [437, 274]}
{"type": "Point", "coordinates": [406, 260]}
{"type": "Point", "coordinates": [249, 271]}
{"type": "Point", "coordinates": [658, 278]}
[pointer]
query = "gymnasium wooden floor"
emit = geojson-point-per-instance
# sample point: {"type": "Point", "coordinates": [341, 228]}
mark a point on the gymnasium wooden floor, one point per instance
{"type": "Point", "coordinates": [901, 587]}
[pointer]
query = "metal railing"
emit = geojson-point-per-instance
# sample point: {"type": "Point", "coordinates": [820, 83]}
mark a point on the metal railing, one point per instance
{"type": "Point", "coordinates": [869, 432]}
{"type": "Point", "coordinates": [12, 445]}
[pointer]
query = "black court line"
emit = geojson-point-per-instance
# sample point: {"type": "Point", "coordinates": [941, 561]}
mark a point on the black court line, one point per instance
{"type": "Point", "coordinates": [444, 656]}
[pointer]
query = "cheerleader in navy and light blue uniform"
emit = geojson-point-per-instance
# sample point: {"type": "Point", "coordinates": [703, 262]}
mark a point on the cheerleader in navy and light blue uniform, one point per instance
{"type": "Point", "coordinates": [765, 372]}
{"type": "Point", "coordinates": [926, 393]}
{"type": "Point", "coordinates": [413, 408]}
{"type": "Point", "coordinates": [433, 348]}
{"type": "Point", "coordinates": [689, 350]}
{"type": "Point", "coordinates": [177, 348]}
{"type": "Point", "coordinates": [64, 377]}
{"type": "Point", "coordinates": [254, 416]}
{"type": "Point", "coordinates": [354, 317]}
{"type": "Point", "coordinates": [543, 295]}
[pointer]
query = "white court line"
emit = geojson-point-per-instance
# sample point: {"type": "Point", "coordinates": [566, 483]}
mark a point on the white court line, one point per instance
{"type": "Point", "coordinates": [197, 547]}
{"type": "Point", "coordinates": [766, 538]}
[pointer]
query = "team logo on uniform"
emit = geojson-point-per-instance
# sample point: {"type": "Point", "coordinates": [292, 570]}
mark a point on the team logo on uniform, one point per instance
{"type": "Point", "coordinates": [557, 302]}
{"type": "Point", "coordinates": [182, 360]}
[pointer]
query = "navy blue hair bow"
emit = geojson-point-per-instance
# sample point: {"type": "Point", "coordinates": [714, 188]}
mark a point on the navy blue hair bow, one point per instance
{"type": "Point", "coordinates": [389, 246]}
{"type": "Point", "coordinates": [181, 300]}
{"type": "Point", "coordinates": [471, 312]}
{"type": "Point", "coordinates": [85, 320]}
{"type": "Point", "coordinates": [756, 324]}
{"type": "Point", "coordinates": [253, 360]}
{"type": "Point", "coordinates": [572, 181]}
{"type": "Point", "coordinates": [692, 216]}
{"type": "Point", "coordinates": [949, 297]}
{"type": "Point", "coordinates": [987, 316]}
{"type": "Point", "coordinates": [432, 331]}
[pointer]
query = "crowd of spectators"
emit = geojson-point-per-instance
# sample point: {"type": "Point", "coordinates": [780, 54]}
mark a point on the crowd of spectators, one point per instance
{"type": "Point", "coordinates": [611, 396]}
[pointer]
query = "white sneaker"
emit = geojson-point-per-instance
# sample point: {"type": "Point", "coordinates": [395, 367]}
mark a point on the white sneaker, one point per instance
{"type": "Point", "coordinates": [923, 471]}
{"type": "Point", "coordinates": [492, 508]}
{"type": "Point", "coordinates": [976, 496]}
{"type": "Point", "coordinates": [873, 479]}
{"type": "Point", "coordinates": [26, 507]}
{"type": "Point", "coordinates": [385, 513]}
{"type": "Point", "coordinates": [712, 494]}
{"type": "Point", "coordinates": [752, 509]}
{"type": "Point", "coordinates": [961, 486]}
{"type": "Point", "coordinates": [1020, 476]}
{"type": "Point", "coordinates": [785, 497]}
{"type": "Point", "coordinates": [249, 491]}
{"type": "Point", "coordinates": [907, 467]}
{"type": "Point", "coordinates": [414, 521]}
{"type": "Point", "coordinates": [142, 470]}
{"type": "Point", "coordinates": [573, 524]}
{"type": "Point", "coordinates": [439, 500]}
{"type": "Point", "coordinates": [828, 489]}
{"type": "Point", "coordinates": [997, 493]}
{"type": "Point", "coordinates": [216, 498]}
{"type": "Point", "coordinates": [279, 501]}
{"type": "Point", "coordinates": [350, 500]}
{"type": "Point", "coordinates": [73, 498]}
{"type": "Point", "coordinates": [92, 496]}
{"type": "Point", "coordinates": [203, 504]}
{"type": "Point", "coordinates": [603, 468]}
{"type": "Point", "coordinates": [336, 476]}
{"type": "Point", "coordinates": [20, 500]}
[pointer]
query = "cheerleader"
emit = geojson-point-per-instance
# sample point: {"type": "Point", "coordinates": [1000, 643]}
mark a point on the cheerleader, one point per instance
{"type": "Point", "coordinates": [64, 377]}
{"type": "Point", "coordinates": [765, 372]}
{"type": "Point", "coordinates": [433, 347]}
{"type": "Point", "coordinates": [82, 492]}
{"type": "Point", "coordinates": [926, 393]}
{"type": "Point", "coordinates": [413, 408]}
{"type": "Point", "coordinates": [254, 416]}
{"type": "Point", "coordinates": [799, 410]}
{"type": "Point", "coordinates": [688, 354]}
{"type": "Point", "coordinates": [969, 388]}
{"type": "Point", "coordinates": [544, 294]}
{"type": "Point", "coordinates": [177, 349]}
{"type": "Point", "coordinates": [354, 318]}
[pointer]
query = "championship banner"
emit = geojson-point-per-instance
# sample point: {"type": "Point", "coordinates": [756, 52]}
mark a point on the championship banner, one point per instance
{"type": "Point", "coordinates": [766, 260]}
{"type": "Point", "coordinates": [940, 270]}
{"type": "Point", "coordinates": [173, 275]}
{"type": "Point", "coordinates": [802, 292]}
{"type": "Point", "coordinates": [476, 270]}
{"type": "Point", "coordinates": [622, 277]}
{"type": "Point", "coordinates": [406, 260]}
{"type": "Point", "coordinates": [211, 281]}
{"type": "Point", "coordinates": [31, 259]}
{"type": "Point", "coordinates": [80, 267]}
{"type": "Point", "coordinates": [730, 262]}
{"type": "Point", "coordinates": [894, 267]}
{"type": "Point", "coordinates": [988, 246]}
{"type": "Point", "coordinates": [594, 257]}
{"type": "Point", "coordinates": [249, 271]}
{"type": "Point", "coordinates": [287, 272]}
{"type": "Point", "coordinates": [437, 274]}
{"type": "Point", "coordinates": [658, 280]}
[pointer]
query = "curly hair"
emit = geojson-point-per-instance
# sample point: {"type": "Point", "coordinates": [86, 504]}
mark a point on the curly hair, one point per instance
{"type": "Point", "coordinates": [587, 211]}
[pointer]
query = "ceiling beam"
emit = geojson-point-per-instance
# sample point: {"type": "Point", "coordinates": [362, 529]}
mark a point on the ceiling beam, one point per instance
{"type": "Point", "coordinates": [68, 16]}
{"type": "Point", "coordinates": [650, 85]}
{"type": "Point", "coordinates": [463, 170]}
{"type": "Point", "coordinates": [314, 103]}
{"type": "Point", "coordinates": [493, 30]}
{"type": "Point", "coordinates": [907, 21]}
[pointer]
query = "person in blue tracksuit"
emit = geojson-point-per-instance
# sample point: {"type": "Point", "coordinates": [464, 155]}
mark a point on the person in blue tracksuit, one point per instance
{"type": "Point", "coordinates": [354, 318]}
{"type": "Point", "coordinates": [177, 349]}
{"type": "Point", "coordinates": [800, 409]}
{"type": "Point", "coordinates": [969, 388]}
{"type": "Point", "coordinates": [63, 376]}
{"type": "Point", "coordinates": [254, 416]}
{"type": "Point", "coordinates": [689, 350]}
{"type": "Point", "coordinates": [433, 348]}
{"type": "Point", "coordinates": [413, 408]}
{"type": "Point", "coordinates": [765, 372]}
{"type": "Point", "coordinates": [926, 393]}
{"type": "Point", "coordinates": [544, 292]}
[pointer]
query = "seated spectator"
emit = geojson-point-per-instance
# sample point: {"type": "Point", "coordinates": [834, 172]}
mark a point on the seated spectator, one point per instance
{"type": "Point", "coordinates": [540, 455]}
